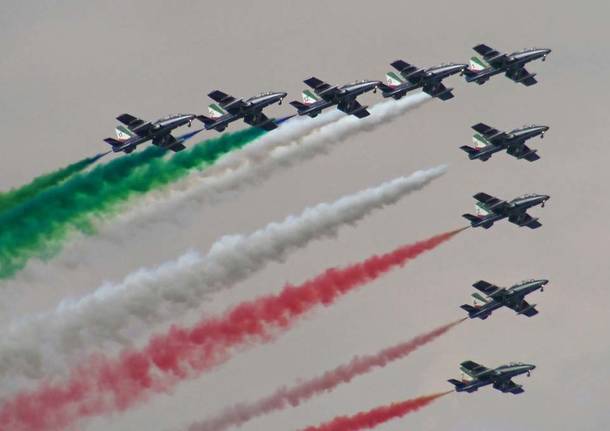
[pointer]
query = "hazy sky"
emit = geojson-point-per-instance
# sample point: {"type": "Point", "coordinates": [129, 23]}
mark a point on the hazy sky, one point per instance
{"type": "Point", "coordinates": [68, 68]}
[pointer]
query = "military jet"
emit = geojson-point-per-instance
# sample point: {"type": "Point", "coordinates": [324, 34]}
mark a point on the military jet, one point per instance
{"type": "Point", "coordinates": [498, 297]}
{"type": "Point", "coordinates": [325, 95]}
{"type": "Point", "coordinates": [135, 131]}
{"type": "Point", "coordinates": [490, 209]}
{"type": "Point", "coordinates": [412, 77]}
{"type": "Point", "coordinates": [229, 109]}
{"type": "Point", "coordinates": [476, 376]}
{"type": "Point", "coordinates": [488, 141]}
{"type": "Point", "coordinates": [513, 65]}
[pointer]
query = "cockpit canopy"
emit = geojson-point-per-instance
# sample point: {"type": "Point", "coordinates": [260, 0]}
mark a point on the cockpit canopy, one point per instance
{"type": "Point", "coordinates": [528, 195]}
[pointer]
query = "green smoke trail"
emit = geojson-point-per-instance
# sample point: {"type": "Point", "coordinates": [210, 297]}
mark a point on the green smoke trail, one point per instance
{"type": "Point", "coordinates": [38, 227]}
{"type": "Point", "coordinates": [18, 195]}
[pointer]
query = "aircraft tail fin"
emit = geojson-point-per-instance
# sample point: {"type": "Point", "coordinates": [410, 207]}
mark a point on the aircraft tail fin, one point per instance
{"type": "Point", "coordinates": [476, 64]}
{"type": "Point", "coordinates": [309, 97]}
{"type": "Point", "coordinates": [393, 79]}
{"type": "Point", "coordinates": [479, 141]}
{"type": "Point", "coordinates": [481, 210]}
{"type": "Point", "coordinates": [123, 133]}
{"type": "Point", "coordinates": [216, 111]}
{"type": "Point", "coordinates": [388, 91]}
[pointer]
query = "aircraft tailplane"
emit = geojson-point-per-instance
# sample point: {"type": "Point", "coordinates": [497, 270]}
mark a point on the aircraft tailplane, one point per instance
{"type": "Point", "coordinates": [459, 386]}
{"type": "Point", "coordinates": [113, 142]}
{"type": "Point", "coordinates": [477, 221]}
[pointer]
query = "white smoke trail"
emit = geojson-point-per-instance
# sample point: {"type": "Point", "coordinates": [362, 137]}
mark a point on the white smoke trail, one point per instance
{"type": "Point", "coordinates": [49, 343]}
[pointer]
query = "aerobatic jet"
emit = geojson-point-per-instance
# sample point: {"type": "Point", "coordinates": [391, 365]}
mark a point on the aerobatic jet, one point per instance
{"type": "Point", "coordinates": [229, 109]}
{"type": "Point", "coordinates": [412, 77]}
{"type": "Point", "coordinates": [488, 141]}
{"type": "Point", "coordinates": [325, 95]}
{"type": "Point", "coordinates": [498, 297]}
{"type": "Point", "coordinates": [512, 65]}
{"type": "Point", "coordinates": [476, 376]}
{"type": "Point", "coordinates": [135, 131]}
{"type": "Point", "coordinates": [490, 209]}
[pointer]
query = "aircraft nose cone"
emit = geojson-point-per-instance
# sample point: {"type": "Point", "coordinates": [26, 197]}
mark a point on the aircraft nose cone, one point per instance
{"type": "Point", "coordinates": [531, 367]}
{"type": "Point", "coordinates": [544, 282]}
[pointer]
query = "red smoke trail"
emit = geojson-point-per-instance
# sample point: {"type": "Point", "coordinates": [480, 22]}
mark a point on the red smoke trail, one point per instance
{"type": "Point", "coordinates": [377, 416]}
{"type": "Point", "coordinates": [285, 397]}
{"type": "Point", "coordinates": [103, 385]}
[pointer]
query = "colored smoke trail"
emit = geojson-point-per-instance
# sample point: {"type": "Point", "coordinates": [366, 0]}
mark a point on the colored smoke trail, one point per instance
{"type": "Point", "coordinates": [38, 228]}
{"type": "Point", "coordinates": [298, 140]}
{"type": "Point", "coordinates": [380, 415]}
{"type": "Point", "coordinates": [18, 195]}
{"type": "Point", "coordinates": [45, 344]}
{"type": "Point", "coordinates": [285, 397]}
{"type": "Point", "coordinates": [101, 385]}
{"type": "Point", "coordinates": [169, 209]}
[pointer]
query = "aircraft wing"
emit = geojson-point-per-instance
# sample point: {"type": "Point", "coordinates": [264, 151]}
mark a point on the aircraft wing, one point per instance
{"type": "Point", "coordinates": [169, 142]}
{"type": "Point", "coordinates": [351, 106]}
{"type": "Point", "coordinates": [490, 55]}
{"type": "Point", "coordinates": [221, 97]}
{"type": "Point", "coordinates": [405, 69]}
{"type": "Point", "coordinates": [523, 152]}
{"type": "Point", "coordinates": [509, 386]}
{"type": "Point", "coordinates": [522, 76]}
{"type": "Point", "coordinates": [524, 308]}
{"type": "Point", "coordinates": [473, 369]}
{"type": "Point", "coordinates": [491, 134]}
{"type": "Point", "coordinates": [130, 121]}
{"type": "Point", "coordinates": [177, 147]}
{"type": "Point", "coordinates": [134, 122]}
{"type": "Point", "coordinates": [525, 220]}
{"type": "Point", "coordinates": [488, 200]}
{"type": "Point", "coordinates": [317, 84]}
{"type": "Point", "coordinates": [256, 118]}
{"type": "Point", "coordinates": [485, 287]}
{"type": "Point", "coordinates": [439, 91]}
{"type": "Point", "coordinates": [260, 120]}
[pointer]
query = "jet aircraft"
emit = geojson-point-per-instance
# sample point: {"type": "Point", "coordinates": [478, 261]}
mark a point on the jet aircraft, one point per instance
{"type": "Point", "coordinates": [488, 141]}
{"type": "Point", "coordinates": [490, 209]}
{"type": "Point", "coordinates": [476, 376]}
{"type": "Point", "coordinates": [135, 131]}
{"type": "Point", "coordinates": [229, 109]}
{"type": "Point", "coordinates": [512, 65]}
{"type": "Point", "coordinates": [498, 297]}
{"type": "Point", "coordinates": [412, 77]}
{"type": "Point", "coordinates": [325, 95]}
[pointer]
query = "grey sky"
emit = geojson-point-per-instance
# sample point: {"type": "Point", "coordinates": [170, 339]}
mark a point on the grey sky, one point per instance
{"type": "Point", "coordinates": [68, 68]}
